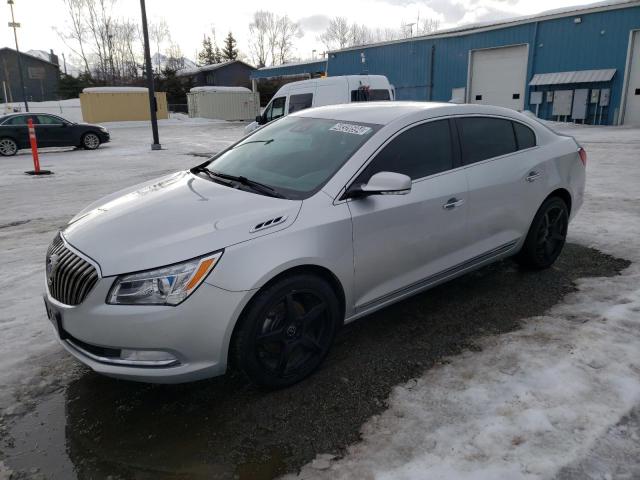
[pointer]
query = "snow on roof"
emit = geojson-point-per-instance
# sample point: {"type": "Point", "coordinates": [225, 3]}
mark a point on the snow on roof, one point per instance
{"type": "Point", "coordinates": [490, 25]}
{"type": "Point", "coordinates": [114, 89]}
{"type": "Point", "coordinates": [220, 89]}
{"type": "Point", "coordinates": [185, 72]}
{"type": "Point", "coordinates": [580, 76]}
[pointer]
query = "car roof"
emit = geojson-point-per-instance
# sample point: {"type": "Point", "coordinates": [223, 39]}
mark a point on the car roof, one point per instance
{"type": "Point", "coordinates": [386, 112]}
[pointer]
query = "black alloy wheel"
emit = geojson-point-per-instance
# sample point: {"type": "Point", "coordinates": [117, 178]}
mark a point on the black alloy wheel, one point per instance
{"type": "Point", "coordinates": [287, 331]}
{"type": "Point", "coordinates": [547, 235]}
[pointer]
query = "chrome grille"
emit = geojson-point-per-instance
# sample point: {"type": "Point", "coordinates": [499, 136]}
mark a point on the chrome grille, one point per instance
{"type": "Point", "coordinates": [69, 277]}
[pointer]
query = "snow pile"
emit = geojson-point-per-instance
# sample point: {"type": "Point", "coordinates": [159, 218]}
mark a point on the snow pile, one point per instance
{"type": "Point", "coordinates": [115, 90]}
{"type": "Point", "coordinates": [536, 399]}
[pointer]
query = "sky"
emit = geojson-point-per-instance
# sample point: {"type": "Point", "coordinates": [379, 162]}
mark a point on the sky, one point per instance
{"type": "Point", "coordinates": [189, 20]}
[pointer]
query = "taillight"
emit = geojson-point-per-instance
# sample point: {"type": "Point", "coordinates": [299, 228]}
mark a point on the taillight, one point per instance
{"type": "Point", "coordinates": [583, 156]}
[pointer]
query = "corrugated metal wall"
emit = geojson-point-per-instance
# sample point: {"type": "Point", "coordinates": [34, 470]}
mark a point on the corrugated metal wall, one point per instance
{"type": "Point", "coordinates": [599, 41]}
{"type": "Point", "coordinates": [224, 105]}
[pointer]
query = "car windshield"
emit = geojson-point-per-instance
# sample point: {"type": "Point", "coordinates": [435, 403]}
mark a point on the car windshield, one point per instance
{"type": "Point", "coordinates": [295, 155]}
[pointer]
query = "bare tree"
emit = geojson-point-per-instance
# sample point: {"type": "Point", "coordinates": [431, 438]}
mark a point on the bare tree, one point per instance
{"type": "Point", "coordinates": [77, 32]}
{"type": "Point", "coordinates": [287, 32]}
{"type": "Point", "coordinates": [427, 26]}
{"type": "Point", "coordinates": [337, 34]}
{"type": "Point", "coordinates": [159, 32]}
{"type": "Point", "coordinates": [100, 26]}
{"type": "Point", "coordinates": [175, 59]}
{"type": "Point", "coordinates": [259, 42]}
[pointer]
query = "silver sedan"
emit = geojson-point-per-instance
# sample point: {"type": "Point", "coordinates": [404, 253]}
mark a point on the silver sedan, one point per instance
{"type": "Point", "coordinates": [258, 256]}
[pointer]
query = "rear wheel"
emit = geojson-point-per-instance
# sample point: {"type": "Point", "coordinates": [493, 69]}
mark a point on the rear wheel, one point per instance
{"type": "Point", "coordinates": [287, 331]}
{"type": "Point", "coordinates": [90, 141]}
{"type": "Point", "coordinates": [547, 235]}
{"type": "Point", "coordinates": [8, 147]}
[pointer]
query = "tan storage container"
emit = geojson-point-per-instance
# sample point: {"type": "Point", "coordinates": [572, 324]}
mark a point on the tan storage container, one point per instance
{"type": "Point", "coordinates": [117, 104]}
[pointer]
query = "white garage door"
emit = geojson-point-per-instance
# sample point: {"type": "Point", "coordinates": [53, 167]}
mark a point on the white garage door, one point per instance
{"type": "Point", "coordinates": [498, 76]}
{"type": "Point", "coordinates": [632, 104]}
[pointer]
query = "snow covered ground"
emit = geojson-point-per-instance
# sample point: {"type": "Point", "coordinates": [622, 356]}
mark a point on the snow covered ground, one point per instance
{"type": "Point", "coordinates": [69, 109]}
{"type": "Point", "coordinates": [551, 395]}
{"type": "Point", "coordinates": [557, 393]}
{"type": "Point", "coordinates": [34, 208]}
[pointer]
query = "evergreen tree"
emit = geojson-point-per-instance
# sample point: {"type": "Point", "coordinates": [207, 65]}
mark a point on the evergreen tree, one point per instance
{"type": "Point", "coordinates": [71, 87]}
{"type": "Point", "coordinates": [229, 51]}
{"type": "Point", "coordinates": [206, 56]}
{"type": "Point", "coordinates": [217, 54]}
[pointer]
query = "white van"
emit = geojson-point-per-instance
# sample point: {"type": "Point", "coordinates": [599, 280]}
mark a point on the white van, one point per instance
{"type": "Point", "coordinates": [317, 92]}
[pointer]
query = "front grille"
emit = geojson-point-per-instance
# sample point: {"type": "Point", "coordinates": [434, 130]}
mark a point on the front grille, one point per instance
{"type": "Point", "coordinates": [69, 277]}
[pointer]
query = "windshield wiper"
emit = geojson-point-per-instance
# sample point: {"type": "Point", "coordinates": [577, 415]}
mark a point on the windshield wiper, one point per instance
{"type": "Point", "coordinates": [266, 142]}
{"type": "Point", "coordinates": [256, 186]}
{"type": "Point", "coordinates": [211, 175]}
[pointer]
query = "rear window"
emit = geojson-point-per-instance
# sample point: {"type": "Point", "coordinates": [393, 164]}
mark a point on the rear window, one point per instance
{"type": "Point", "coordinates": [369, 94]}
{"type": "Point", "coordinates": [300, 102]}
{"type": "Point", "coordinates": [483, 137]}
{"type": "Point", "coordinates": [524, 136]}
{"type": "Point", "coordinates": [19, 120]}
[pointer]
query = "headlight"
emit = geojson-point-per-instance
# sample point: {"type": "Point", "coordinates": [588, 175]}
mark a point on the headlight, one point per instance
{"type": "Point", "coordinates": [162, 286]}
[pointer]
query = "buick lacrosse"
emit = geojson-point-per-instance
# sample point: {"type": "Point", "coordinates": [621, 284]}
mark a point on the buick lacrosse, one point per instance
{"type": "Point", "coordinates": [256, 257]}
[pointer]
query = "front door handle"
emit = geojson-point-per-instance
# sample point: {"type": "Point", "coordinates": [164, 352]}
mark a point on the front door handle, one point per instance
{"type": "Point", "coordinates": [533, 176]}
{"type": "Point", "coordinates": [452, 203]}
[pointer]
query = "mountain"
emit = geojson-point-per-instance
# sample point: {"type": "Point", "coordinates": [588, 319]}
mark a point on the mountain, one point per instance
{"type": "Point", "coordinates": [163, 61]}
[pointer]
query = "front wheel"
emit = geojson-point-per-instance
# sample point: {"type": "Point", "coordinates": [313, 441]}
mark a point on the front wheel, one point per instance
{"type": "Point", "coordinates": [547, 235]}
{"type": "Point", "coordinates": [286, 331]}
{"type": "Point", "coordinates": [90, 141]}
{"type": "Point", "coordinates": [8, 147]}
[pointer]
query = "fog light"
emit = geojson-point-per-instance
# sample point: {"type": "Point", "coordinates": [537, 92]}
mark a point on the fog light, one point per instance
{"type": "Point", "coordinates": [156, 358]}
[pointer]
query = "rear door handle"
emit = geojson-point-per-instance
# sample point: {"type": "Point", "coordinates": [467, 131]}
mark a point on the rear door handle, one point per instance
{"type": "Point", "coordinates": [452, 203]}
{"type": "Point", "coordinates": [533, 176]}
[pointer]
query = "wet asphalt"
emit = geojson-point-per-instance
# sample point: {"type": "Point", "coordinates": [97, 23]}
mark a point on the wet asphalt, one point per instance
{"type": "Point", "coordinates": [99, 428]}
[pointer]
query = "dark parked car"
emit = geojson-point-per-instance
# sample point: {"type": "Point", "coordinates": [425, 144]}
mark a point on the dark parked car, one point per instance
{"type": "Point", "coordinates": [51, 131]}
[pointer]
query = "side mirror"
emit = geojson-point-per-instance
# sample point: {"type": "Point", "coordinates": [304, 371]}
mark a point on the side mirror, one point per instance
{"type": "Point", "coordinates": [259, 119]}
{"type": "Point", "coordinates": [382, 183]}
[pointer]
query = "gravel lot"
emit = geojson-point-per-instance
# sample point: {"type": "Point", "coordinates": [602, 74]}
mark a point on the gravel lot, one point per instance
{"type": "Point", "coordinates": [223, 428]}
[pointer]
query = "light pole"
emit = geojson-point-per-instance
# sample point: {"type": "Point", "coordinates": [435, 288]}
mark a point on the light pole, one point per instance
{"type": "Point", "coordinates": [152, 95]}
{"type": "Point", "coordinates": [15, 25]}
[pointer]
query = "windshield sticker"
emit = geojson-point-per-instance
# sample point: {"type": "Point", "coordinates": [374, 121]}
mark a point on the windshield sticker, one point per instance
{"type": "Point", "coordinates": [349, 128]}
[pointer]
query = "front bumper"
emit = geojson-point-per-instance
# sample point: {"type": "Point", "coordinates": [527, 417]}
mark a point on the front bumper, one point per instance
{"type": "Point", "coordinates": [104, 137]}
{"type": "Point", "coordinates": [195, 333]}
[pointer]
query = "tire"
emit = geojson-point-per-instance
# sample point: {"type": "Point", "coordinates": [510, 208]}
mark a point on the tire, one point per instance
{"type": "Point", "coordinates": [286, 331]}
{"type": "Point", "coordinates": [90, 141]}
{"type": "Point", "coordinates": [8, 147]}
{"type": "Point", "coordinates": [546, 236]}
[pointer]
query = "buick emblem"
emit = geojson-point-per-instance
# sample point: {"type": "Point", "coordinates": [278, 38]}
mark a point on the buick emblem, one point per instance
{"type": "Point", "coordinates": [52, 263]}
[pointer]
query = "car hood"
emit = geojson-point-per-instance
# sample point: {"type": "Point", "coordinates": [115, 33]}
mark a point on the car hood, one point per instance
{"type": "Point", "coordinates": [172, 219]}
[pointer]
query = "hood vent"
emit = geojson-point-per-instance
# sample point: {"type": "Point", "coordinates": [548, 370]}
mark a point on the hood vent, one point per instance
{"type": "Point", "coordinates": [269, 223]}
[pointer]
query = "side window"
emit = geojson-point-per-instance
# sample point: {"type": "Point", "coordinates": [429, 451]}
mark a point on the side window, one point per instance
{"type": "Point", "coordinates": [276, 110]}
{"type": "Point", "coordinates": [369, 94]}
{"type": "Point", "coordinates": [483, 137]}
{"type": "Point", "coordinates": [420, 151]}
{"type": "Point", "coordinates": [48, 120]}
{"type": "Point", "coordinates": [524, 136]}
{"type": "Point", "coordinates": [300, 102]}
{"type": "Point", "coordinates": [19, 120]}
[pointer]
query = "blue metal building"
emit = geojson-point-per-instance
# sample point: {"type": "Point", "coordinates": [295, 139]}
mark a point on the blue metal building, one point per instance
{"type": "Point", "coordinates": [589, 57]}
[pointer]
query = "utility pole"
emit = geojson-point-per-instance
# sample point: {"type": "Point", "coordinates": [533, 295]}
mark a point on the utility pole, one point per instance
{"type": "Point", "coordinates": [152, 95]}
{"type": "Point", "coordinates": [15, 25]}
